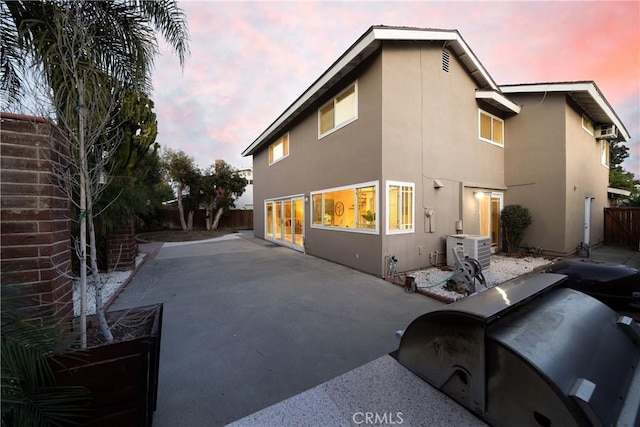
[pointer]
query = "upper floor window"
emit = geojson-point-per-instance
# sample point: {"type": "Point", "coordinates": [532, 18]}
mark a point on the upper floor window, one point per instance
{"type": "Point", "coordinates": [340, 111]}
{"type": "Point", "coordinates": [604, 152]}
{"type": "Point", "coordinates": [400, 207]}
{"type": "Point", "coordinates": [587, 125]}
{"type": "Point", "coordinates": [490, 128]}
{"type": "Point", "coordinates": [279, 149]}
{"type": "Point", "coordinates": [350, 208]}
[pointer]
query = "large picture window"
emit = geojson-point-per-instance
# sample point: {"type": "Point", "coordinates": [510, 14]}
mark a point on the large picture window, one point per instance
{"type": "Point", "coordinates": [400, 207]}
{"type": "Point", "coordinates": [490, 128]}
{"type": "Point", "coordinates": [350, 208]}
{"type": "Point", "coordinates": [279, 149]}
{"type": "Point", "coordinates": [340, 111]}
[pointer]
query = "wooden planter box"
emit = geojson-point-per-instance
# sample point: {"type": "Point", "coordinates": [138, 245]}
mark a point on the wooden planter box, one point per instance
{"type": "Point", "coordinates": [121, 376]}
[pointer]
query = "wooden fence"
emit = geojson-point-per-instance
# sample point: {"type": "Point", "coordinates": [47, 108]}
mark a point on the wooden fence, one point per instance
{"type": "Point", "coordinates": [235, 219]}
{"type": "Point", "coordinates": [622, 227]}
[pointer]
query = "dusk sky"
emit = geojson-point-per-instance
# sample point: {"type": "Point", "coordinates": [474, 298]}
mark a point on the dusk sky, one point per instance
{"type": "Point", "coordinates": [250, 60]}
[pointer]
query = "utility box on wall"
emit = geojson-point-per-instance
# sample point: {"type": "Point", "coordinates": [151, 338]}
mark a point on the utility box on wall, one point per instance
{"type": "Point", "coordinates": [476, 247]}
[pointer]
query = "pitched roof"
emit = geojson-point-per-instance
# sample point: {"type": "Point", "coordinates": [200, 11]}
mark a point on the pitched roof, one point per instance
{"type": "Point", "coordinates": [366, 45]}
{"type": "Point", "coordinates": [585, 93]}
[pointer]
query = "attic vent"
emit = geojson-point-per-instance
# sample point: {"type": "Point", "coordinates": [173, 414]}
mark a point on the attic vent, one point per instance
{"type": "Point", "coordinates": [445, 61]}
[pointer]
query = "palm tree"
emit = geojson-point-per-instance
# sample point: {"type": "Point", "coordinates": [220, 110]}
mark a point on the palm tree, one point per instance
{"type": "Point", "coordinates": [124, 31]}
{"type": "Point", "coordinates": [87, 53]}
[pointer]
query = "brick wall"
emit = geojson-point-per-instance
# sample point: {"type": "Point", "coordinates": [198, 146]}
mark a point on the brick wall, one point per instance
{"type": "Point", "coordinates": [122, 247]}
{"type": "Point", "coordinates": [35, 247]}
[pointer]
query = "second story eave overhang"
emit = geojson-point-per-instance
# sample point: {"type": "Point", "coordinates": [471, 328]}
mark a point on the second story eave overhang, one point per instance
{"type": "Point", "coordinates": [585, 93]}
{"type": "Point", "coordinates": [498, 100]}
{"type": "Point", "coordinates": [364, 47]}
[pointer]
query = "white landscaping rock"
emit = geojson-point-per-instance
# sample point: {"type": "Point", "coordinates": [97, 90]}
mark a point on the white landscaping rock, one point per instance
{"type": "Point", "coordinates": [112, 283]}
{"type": "Point", "coordinates": [502, 269]}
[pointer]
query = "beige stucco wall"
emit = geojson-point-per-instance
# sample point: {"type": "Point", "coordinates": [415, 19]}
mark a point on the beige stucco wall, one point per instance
{"type": "Point", "coordinates": [348, 156]}
{"type": "Point", "coordinates": [429, 132]}
{"type": "Point", "coordinates": [424, 127]}
{"type": "Point", "coordinates": [586, 177]}
{"type": "Point", "coordinates": [551, 165]}
{"type": "Point", "coordinates": [419, 124]}
{"type": "Point", "coordinates": [534, 167]}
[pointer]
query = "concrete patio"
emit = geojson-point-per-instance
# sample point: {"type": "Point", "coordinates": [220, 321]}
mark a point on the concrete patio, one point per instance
{"type": "Point", "coordinates": [248, 324]}
{"type": "Point", "coordinates": [256, 334]}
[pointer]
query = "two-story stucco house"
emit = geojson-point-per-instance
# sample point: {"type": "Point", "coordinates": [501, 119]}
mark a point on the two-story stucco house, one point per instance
{"type": "Point", "coordinates": [406, 139]}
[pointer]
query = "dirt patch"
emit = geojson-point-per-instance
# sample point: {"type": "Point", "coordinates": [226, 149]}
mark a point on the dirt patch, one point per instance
{"type": "Point", "coordinates": [182, 236]}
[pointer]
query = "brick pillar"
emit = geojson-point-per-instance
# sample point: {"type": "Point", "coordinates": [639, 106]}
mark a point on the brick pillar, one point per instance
{"type": "Point", "coordinates": [34, 220]}
{"type": "Point", "coordinates": [122, 247]}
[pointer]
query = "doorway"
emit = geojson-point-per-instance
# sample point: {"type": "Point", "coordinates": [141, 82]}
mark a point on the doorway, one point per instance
{"type": "Point", "coordinates": [490, 208]}
{"type": "Point", "coordinates": [284, 221]}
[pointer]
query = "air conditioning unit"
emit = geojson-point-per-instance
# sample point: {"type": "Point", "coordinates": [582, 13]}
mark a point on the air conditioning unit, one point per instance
{"type": "Point", "coordinates": [476, 247]}
{"type": "Point", "coordinates": [607, 132]}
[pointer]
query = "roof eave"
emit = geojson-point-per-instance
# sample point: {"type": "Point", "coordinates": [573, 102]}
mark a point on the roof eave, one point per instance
{"type": "Point", "coordinates": [498, 100]}
{"type": "Point", "coordinates": [588, 88]}
{"type": "Point", "coordinates": [360, 50]}
{"type": "Point", "coordinates": [618, 191]}
{"type": "Point", "coordinates": [367, 40]}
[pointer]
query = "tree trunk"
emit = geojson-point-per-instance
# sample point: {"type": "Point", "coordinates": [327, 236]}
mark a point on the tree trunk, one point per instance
{"type": "Point", "coordinates": [102, 320]}
{"type": "Point", "coordinates": [82, 220]}
{"type": "Point", "coordinates": [181, 208]}
{"type": "Point", "coordinates": [208, 215]}
{"type": "Point", "coordinates": [190, 221]}
{"type": "Point", "coordinates": [86, 218]}
{"type": "Point", "coordinates": [216, 220]}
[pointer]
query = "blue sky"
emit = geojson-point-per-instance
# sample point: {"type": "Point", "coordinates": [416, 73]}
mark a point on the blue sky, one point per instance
{"type": "Point", "coordinates": [250, 60]}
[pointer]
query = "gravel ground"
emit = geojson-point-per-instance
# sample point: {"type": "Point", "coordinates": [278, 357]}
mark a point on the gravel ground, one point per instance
{"type": "Point", "coordinates": [111, 283]}
{"type": "Point", "coordinates": [502, 269]}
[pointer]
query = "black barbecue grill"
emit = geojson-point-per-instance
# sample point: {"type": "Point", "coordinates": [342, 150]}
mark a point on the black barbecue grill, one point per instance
{"type": "Point", "coordinates": [530, 352]}
{"type": "Point", "coordinates": [616, 285]}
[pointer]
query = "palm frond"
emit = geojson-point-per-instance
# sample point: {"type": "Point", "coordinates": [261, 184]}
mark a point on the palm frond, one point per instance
{"type": "Point", "coordinates": [122, 35]}
{"type": "Point", "coordinates": [10, 57]}
{"type": "Point", "coordinates": [29, 394]}
{"type": "Point", "coordinates": [171, 21]}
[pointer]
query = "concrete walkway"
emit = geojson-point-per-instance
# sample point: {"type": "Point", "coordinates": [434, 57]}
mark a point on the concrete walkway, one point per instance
{"type": "Point", "coordinates": [248, 324]}
{"type": "Point", "coordinates": [615, 255]}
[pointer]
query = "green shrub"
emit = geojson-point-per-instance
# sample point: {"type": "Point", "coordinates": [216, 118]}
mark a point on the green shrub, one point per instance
{"type": "Point", "coordinates": [515, 220]}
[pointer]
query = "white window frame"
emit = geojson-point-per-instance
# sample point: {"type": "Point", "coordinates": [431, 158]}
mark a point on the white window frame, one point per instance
{"type": "Point", "coordinates": [283, 200]}
{"type": "Point", "coordinates": [586, 128]}
{"type": "Point", "coordinates": [401, 230]}
{"type": "Point", "coordinates": [337, 126]}
{"type": "Point", "coordinates": [493, 117]}
{"type": "Point", "coordinates": [354, 187]}
{"type": "Point", "coordinates": [605, 153]}
{"type": "Point", "coordinates": [272, 145]}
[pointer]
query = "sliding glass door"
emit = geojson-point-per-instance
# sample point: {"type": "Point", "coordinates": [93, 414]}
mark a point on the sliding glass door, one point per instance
{"type": "Point", "coordinates": [284, 221]}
